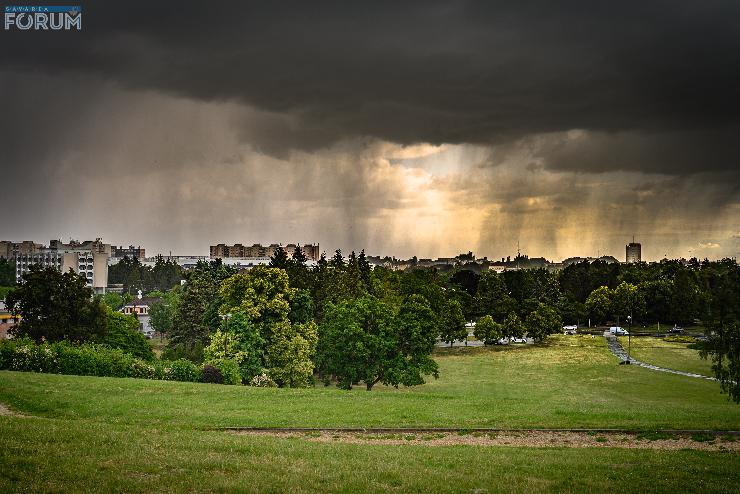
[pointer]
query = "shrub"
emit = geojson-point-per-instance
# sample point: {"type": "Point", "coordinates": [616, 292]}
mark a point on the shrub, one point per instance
{"type": "Point", "coordinates": [178, 351]}
{"type": "Point", "coordinates": [22, 354]}
{"type": "Point", "coordinates": [143, 369]}
{"type": "Point", "coordinates": [262, 381]}
{"type": "Point", "coordinates": [185, 370]}
{"type": "Point", "coordinates": [122, 332]}
{"type": "Point", "coordinates": [211, 374]}
{"type": "Point", "coordinates": [229, 371]}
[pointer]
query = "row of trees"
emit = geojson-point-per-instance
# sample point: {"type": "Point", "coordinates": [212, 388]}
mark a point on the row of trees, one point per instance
{"type": "Point", "coordinates": [353, 324]}
{"type": "Point", "coordinates": [135, 276]}
{"type": "Point", "coordinates": [56, 306]}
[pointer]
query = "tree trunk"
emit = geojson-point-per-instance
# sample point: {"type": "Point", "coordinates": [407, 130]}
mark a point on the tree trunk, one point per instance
{"type": "Point", "coordinates": [371, 384]}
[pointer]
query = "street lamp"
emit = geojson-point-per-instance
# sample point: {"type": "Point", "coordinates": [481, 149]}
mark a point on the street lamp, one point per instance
{"type": "Point", "coordinates": [226, 318]}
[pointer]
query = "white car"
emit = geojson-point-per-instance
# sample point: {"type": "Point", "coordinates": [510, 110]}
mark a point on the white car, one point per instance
{"type": "Point", "coordinates": [570, 329]}
{"type": "Point", "coordinates": [618, 331]}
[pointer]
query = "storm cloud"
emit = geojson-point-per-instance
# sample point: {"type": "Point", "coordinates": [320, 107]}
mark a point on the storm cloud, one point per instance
{"type": "Point", "coordinates": [290, 119]}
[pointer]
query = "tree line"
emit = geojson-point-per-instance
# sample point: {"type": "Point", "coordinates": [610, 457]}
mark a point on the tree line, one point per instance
{"type": "Point", "coordinates": [348, 323]}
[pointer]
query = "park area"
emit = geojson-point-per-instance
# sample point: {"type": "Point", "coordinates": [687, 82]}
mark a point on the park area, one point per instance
{"type": "Point", "coordinates": [468, 431]}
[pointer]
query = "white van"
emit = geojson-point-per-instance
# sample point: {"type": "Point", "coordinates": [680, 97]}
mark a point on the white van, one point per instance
{"type": "Point", "coordinates": [618, 331]}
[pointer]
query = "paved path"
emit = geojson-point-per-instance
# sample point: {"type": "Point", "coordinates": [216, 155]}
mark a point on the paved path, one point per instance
{"type": "Point", "coordinates": [617, 349]}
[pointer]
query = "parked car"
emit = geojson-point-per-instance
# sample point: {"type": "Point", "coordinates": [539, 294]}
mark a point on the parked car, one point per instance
{"type": "Point", "coordinates": [502, 341]}
{"type": "Point", "coordinates": [676, 330]}
{"type": "Point", "coordinates": [618, 331]}
{"type": "Point", "coordinates": [570, 329]}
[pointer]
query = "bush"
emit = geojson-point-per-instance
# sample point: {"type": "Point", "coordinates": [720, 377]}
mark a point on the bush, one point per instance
{"type": "Point", "coordinates": [185, 370]}
{"type": "Point", "coordinates": [193, 353]}
{"type": "Point", "coordinates": [262, 381]}
{"type": "Point", "coordinates": [122, 332]}
{"type": "Point", "coordinates": [22, 354]}
{"type": "Point", "coordinates": [212, 375]}
{"type": "Point", "coordinates": [229, 370]}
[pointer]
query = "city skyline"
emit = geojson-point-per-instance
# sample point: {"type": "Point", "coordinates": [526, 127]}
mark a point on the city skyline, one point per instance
{"type": "Point", "coordinates": [358, 127]}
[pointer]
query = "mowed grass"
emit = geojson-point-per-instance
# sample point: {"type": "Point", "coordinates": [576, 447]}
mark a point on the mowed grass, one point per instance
{"type": "Point", "coordinates": [68, 455]}
{"type": "Point", "coordinates": [87, 434]}
{"type": "Point", "coordinates": [670, 355]}
{"type": "Point", "coordinates": [570, 382]}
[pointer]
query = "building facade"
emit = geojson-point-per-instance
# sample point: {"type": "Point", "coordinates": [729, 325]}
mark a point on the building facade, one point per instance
{"type": "Point", "coordinates": [634, 252]}
{"type": "Point", "coordinates": [130, 251]}
{"type": "Point", "coordinates": [258, 250]}
{"type": "Point", "coordinates": [9, 250]}
{"type": "Point", "coordinates": [88, 259]}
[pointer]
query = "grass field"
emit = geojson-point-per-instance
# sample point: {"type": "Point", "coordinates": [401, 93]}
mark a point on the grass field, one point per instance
{"type": "Point", "coordinates": [106, 434]}
{"type": "Point", "coordinates": [668, 354]}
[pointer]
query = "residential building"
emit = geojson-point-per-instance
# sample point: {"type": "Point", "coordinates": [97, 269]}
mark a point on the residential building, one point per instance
{"type": "Point", "coordinates": [634, 252]}
{"type": "Point", "coordinates": [9, 250]}
{"type": "Point", "coordinates": [139, 308]}
{"type": "Point", "coordinates": [130, 251]}
{"type": "Point", "coordinates": [88, 259]}
{"type": "Point", "coordinates": [260, 251]}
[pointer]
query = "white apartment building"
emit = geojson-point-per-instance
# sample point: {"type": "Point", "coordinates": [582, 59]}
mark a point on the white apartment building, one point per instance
{"type": "Point", "coordinates": [88, 259]}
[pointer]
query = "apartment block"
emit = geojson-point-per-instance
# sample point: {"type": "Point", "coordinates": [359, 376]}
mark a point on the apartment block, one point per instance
{"type": "Point", "coordinates": [258, 250]}
{"type": "Point", "coordinates": [88, 259]}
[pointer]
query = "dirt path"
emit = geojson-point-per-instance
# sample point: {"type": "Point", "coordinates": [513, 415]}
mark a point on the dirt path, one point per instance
{"type": "Point", "coordinates": [7, 412]}
{"type": "Point", "coordinates": [536, 439]}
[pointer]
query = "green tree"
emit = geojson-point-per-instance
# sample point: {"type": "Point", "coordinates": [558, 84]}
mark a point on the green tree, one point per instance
{"type": "Point", "coordinates": [279, 258]}
{"type": "Point", "coordinates": [289, 354]}
{"type": "Point", "coordinates": [488, 331]}
{"type": "Point", "coordinates": [627, 301]}
{"type": "Point", "coordinates": [723, 347]}
{"type": "Point", "coordinates": [56, 306]}
{"type": "Point", "coordinates": [513, 327]}
{"type": "Point", "coordinates": [363, 341]}
{"type": "Point", "coordinates": [162, 313]}
{"type": "Point", "coordinates": [599, 304]}
{"type": "Point", "coordinates": [298, 273]}
{"type": "Point", "coordinates": [113, 300]}
{"type": "Point", "coordinates": [238, 339]}
{"type": "Point", "coordinates": [193, 322]}
{"type": "Point", "coordinates": [493, 297]}
{"type": "Point", "coordinates": [543, 321]}
{"type": "Point", "coordinates": [7, 272]}
{"type": "Point", "coordinates": [452, 323]}
{"type": "Point", "coordinates": [301, 307]}
{"type": "Point", "coordinates": [122, 332]}
{"type": "Point", "coordinates": [264, 296]}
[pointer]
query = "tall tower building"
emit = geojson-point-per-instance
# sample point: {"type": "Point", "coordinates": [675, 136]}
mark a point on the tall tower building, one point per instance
{"type": "Point", "coordinates": [634, 252]}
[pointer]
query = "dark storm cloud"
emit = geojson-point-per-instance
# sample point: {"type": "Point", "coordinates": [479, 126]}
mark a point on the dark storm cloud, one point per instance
{"type": "Point", "coordinates": [660, 73]}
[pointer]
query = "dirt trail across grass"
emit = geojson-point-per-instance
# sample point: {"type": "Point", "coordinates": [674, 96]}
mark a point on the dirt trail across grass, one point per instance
{"type": "Point", "coordinates": [531, 438]}
{"type": "Point", "coordinates": [7, 412]}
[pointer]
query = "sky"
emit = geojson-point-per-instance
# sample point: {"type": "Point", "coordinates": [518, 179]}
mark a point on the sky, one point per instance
{"type": "Point", "coordinates": [402, 128]}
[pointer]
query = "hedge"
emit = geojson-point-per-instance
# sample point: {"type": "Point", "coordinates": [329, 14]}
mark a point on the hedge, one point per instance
{"type": "Point", "coordinates": [22, 354]}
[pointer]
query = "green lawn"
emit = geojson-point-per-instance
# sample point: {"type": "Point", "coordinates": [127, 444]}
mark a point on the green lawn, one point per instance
{"type": "Point", "coordinates": [668, 354]}
{"type": "Point", "coordinates": [43, 455]}
{"type": "Point", "coordinates": [107, 434]}
{"type": "Point", "coordinates": [571, 382]}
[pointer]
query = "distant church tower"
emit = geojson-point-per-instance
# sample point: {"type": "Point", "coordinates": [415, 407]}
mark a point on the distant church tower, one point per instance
{"type": "Point", "coordinates": [634, 252]}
